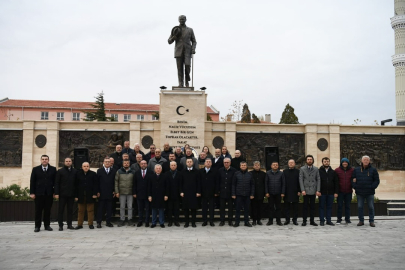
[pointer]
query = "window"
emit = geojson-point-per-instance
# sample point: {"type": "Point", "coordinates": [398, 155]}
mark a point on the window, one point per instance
{"type": "Point", "coordinates": [114, 117]}
{"type": "Point", "coordinates": [76, 116]}
{"type": "Point", "coordinates": [140, 117]}
{"type": "Point", "coordinates": [154, 117]}
{"type": "Point", "coordinates": [60, 116]}
{"type": "Point", "coordinates": [44, 115]}
{"type": "Point", "coordinates": [127, 117]}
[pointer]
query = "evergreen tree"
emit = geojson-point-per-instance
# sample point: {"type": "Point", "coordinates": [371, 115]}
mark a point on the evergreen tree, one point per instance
{"type": "Point", "coordinates": [246, 118]}
{"type": "Point", "coordinates": [255, 119]}
{"type": "Point", "coordinates": [209, 118]}
{"type": "Point", "coordinates": [288, 116]}
{"type": "Point", "coordinates": [99, 114]}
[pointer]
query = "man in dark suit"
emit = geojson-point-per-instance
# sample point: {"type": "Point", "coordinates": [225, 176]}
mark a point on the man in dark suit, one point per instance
{"type": "Point", "coordinates": [173, 177]}
{"type": "Point", "coordinates": [224, 188]}
{"type": "Point", "coordinates": [166, 166]}
{"type": "Point", "coordinates": [105, 192]}
{"type": "Point", "coordinates": [65, 192]}
{"type": "Point", "coordinates": [140, 192]}
{"type": "Point", "coordinates": [42, 191]}
{"type": "Point", "coordinates": [185, 46]}
{"type": "Point", "coordinates": [190, 190]}
{"type": "Point", "coordinates": [208, 178]}
{"type": "Point", "coordinates": [218, 160]}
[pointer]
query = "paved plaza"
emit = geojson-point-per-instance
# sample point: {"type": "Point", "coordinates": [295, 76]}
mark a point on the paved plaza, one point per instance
{"type": "Point", "coordinates": [260, 247]}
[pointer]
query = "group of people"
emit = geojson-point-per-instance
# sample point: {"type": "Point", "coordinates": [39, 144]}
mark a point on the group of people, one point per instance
{"type": "Point", "coordinates": [164, 181]}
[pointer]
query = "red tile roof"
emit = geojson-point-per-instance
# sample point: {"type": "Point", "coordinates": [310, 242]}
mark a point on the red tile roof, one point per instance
{"type": "Point", "coordinates": [81, 105]}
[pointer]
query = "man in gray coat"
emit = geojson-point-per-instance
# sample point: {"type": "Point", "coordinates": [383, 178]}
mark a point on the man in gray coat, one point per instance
{"type": "Point", "coordinates": [310, 184]}
{"type": "Point", "coordinates": [185, 46]}
{"type": "Point", "coordinates": [158, 159]}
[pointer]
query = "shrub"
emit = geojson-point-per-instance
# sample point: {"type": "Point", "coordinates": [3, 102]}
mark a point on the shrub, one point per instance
{"type": "Point", "coordinates": [14, 193]}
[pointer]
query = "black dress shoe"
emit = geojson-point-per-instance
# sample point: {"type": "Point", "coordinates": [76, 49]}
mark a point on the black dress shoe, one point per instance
{"type": "Point", "coordinates": [230, 223]}
{"type": "Point", "coordinates": [259, 223]}
{"type": "Point", "coordinates": [139, 224]}
{"type": "Point", "coordinates": [322, 223]}
{"type": "Point", "coordinates": [193, 225]}
{"type": "Point", "coordinates": [91, 227]}
{"type": "Point", "coordinates": [177, 224]}
{"type": "Point", "coordinates": [109, 224]}
{"type": "Point", "coordinates": [295, 223]}
{"type": "Point", "coordinates": [98, 226]}
{"type": "Point", "coordinates": [36, 229]}
{"type": "Point", "coordinates": [204, 223]}
{"type": "Point", "coordinates": [186, 225]}
{"type": "Point", "coordinates": [279, 223]}
{"type": "Point", "coordinates": [170, 224]}
{"type": "Point", "coordinates": [147, 224]}
{"type": "Point", "coordinates": [372, 224]}
{"type": "Point", "coordinates": [287, 222]}
{"type": "Point", "coordinates": [247, 224]}
{"type": "Point", "coordinates": [60, 228]}
{"type": "Point", "coordinates": [162, 225]}
{"type": "Point", "coordinates": [330, 223]}
{"type": "Point", "coordinates": [153, 226]}
{"type": "Point", "coordinates": [70, 227]}
{"type": "Point", "coordinates": [78, 227]}
{"type": "Point", "coordinates": [313, 223]}
{"type": "Point", "coordinates": [221, 223]}
{"type": "Point", "coordinates": [48, 228]}
{"type": "Point", "coordinates": [212, 224]}
{"type": "Point", "coordinates": [254, 223]}
{"type": "Point", "coordinates": [236, 224]}
{"type": "Point", "coordinates": [269, 223]}
{"type": "Point", "coordinates": [304, 223]}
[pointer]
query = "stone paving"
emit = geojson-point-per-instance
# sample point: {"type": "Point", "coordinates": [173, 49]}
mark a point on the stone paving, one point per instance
{"type": "Point", "coordinates": [260, 247]}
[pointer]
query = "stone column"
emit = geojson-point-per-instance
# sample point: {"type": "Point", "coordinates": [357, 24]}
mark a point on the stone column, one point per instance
{"type": "Point", "coordinates": [230, 137]}
{"type": "Point", "coordinates": [52, 144]}
{"type": "Point", "coordinates": [334, 145]}
{"type": "Point", "coordinates": [311, 138]}
{"type": "Point", "coordinates": [134, 133]}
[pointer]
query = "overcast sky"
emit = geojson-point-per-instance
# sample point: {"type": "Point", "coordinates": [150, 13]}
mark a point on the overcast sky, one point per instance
{"type": "Point", "coordinates": [331, 60]}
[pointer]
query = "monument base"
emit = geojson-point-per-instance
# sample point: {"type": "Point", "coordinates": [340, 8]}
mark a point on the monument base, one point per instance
{"type": "Point", "coordinates": [177, 88]}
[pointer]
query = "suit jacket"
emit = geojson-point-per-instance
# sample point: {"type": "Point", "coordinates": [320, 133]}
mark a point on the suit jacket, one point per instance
{"type": "Point", "coordinates": [208, 183]}
{"type": "Point", "coordinates": [42, 183]}
{"type": "Point", "coordinates": [218, 164]}
{"type": "Point", "coordinates": [86, 186]}
{"type": "Point", "coordinates": [173, 184]}
{"type": "Point", "coordinates": [186, 42]}
{"type": "Point", "coordinates": [190, 186]}
{"type": "Point", "coordinates": [310, 181]}
{"type": "Point", "coordinates": [157, 189]}
{"type": "Point", "coordinates": [140, 186]}
{"type": "Point", "coordinates": [65, 182]}
{"type": "Point", "coordinates": [105, 183]}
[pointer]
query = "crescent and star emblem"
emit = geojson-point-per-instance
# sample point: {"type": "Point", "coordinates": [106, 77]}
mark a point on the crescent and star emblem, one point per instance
{"type": "Point", "coordinates": [178, 110]}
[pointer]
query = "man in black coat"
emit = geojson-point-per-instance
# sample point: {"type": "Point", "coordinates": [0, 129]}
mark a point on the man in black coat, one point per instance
{"type": "Point", "coordinates": [140, 191]}
{"type": "Point", "coordinates": [275, 189]}
{"type": "Point", "coordinates": [178, 154]}
{"type": "Point", "coordinates": [257, 202]}
{"type": "Point", "coordinates": [137, 150]}
{"type": "Point", "coordinates": [166, 166]}
{"type": "Point", "coordinates": [105, 192]}
{"type": "Point", "coordinates": [217, 160]}
{"type": "Point", "coordinates": [190, 190]}
{"type": "Point", "coordinates": [224, 188]}
{"type": "Point", "coordinates": [157, 196]}
{"type": "Point", "coordinates": [65, 192]}
{"type": "Point", "coordinates": [117, 156]}
{"type": "Point", "coordinates": [243, 188]}
{"type": "Point", "coordinates": [167, 150]}
{"type": "Point", "coordinates": [329, 191]}
{"type": "Point", "coordinates": [292, 192]}
{"type": "Point", "coordinates": [151, 153]}
{"type": "Point", "coordinates": [173, 178]}
{"type": "Point", "coordinates": [208, 178]}
{"type": "Point", "coordinates": [127, 149]}
{"type": "Point", "coordinates": [86, 192]}
{"type": "Point", "coordinates": [235, 163]}
{"type": "Point", "coordinates": [42, 191]}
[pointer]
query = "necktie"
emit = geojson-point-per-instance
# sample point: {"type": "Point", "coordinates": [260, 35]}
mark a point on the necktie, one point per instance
{"type": "Point", "coordinates": [44, 169]}
{"type": "Point", "coordinates": [107, 170]}
{"type": "Point", "coordinates": [143, 173]}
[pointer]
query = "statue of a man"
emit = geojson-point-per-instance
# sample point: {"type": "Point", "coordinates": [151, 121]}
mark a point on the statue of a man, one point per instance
{"type": "Point", "coordinates": [185, 46]}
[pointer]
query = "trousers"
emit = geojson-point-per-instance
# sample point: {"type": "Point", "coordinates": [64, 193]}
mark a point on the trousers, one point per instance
{"type": "Point", "coordinates": [308, 199]}
{"type": "Point", "coordinates": [242, 202]}
{"type": "Point", "coordinates": [43, 205]}
{"type": "Point", "coordinates": [104, 205]}
{"type": "Point", "coordinates": [90, 213]}
{"type": "Point", "coordinates": [256, 207]}
{"type": "Point", "coordinates": [68, 203]}
{"type": "Point", "coordinates": [223, 203]}
{"type": "Point", "coordinates": [208, 205]}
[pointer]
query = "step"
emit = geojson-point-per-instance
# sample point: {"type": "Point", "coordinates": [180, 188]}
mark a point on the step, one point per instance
{"type": "Point", "coordinates": [396, 211]}
{"type": "Point", "coordinates": [396, 205]}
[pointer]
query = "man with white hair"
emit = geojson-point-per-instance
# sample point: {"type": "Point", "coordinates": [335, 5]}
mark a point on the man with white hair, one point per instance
{"type": "Point", "coordinates": [365, 180]}
{"type": "Point", "coordinates": [224, 189]}
{"type": "Point", "coordinates": [157, 196]}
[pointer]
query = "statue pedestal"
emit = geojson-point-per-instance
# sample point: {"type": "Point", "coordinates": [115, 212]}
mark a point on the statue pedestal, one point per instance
{"type": "Point", "coordinates": [182, 116]}
{"type": "Point", "coordinates": [177, 88]}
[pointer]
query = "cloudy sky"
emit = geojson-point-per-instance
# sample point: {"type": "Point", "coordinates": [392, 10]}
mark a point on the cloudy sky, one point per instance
{"type": "Point", "coordinates": [331, 60]}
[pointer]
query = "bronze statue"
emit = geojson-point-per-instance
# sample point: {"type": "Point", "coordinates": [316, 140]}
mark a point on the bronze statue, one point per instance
{"type": "Point", "coordinates": [185, 46]}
